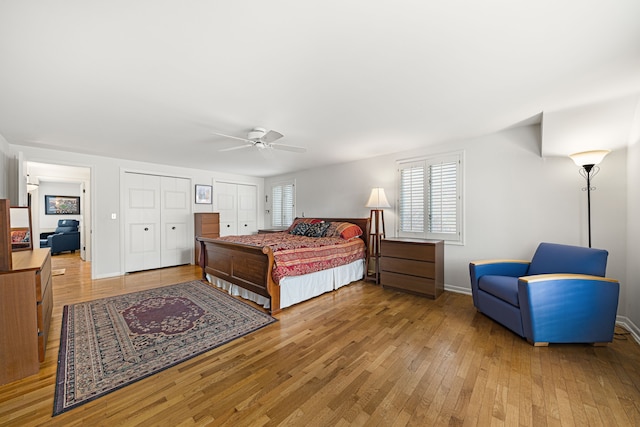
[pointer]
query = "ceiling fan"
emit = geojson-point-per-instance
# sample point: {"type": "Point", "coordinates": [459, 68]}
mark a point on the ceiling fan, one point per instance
{"type": "Point", "coordinates": [260, 138]}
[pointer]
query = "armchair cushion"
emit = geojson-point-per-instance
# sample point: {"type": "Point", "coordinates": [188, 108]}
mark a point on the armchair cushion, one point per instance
{"type": "Point", "coordinates": [65, 229]}
{"type": "Point", "coordinates": [553, 258]}
{"type": "Point", "coordinates": [67, 225]}
{"type": "Point", "coordinates": [503, 287]}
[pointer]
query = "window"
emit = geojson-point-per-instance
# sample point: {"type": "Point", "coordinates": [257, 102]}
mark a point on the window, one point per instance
{"type": "Point", "coordinates": [430, 198]}
{"type": "Point", "coordinates": [282, 204]}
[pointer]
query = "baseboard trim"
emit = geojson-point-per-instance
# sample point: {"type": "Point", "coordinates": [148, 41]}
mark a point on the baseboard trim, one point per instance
{"type": "Point", "coordinates": [633, 329]}
{"type": "Point", "coordinates": [457, 289]}
{"type": "Point", "coordinates": [107, 276]}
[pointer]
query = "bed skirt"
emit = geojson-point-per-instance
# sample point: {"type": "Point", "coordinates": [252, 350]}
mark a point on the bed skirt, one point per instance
{"type": "Point", "coordinates": [295, 289]}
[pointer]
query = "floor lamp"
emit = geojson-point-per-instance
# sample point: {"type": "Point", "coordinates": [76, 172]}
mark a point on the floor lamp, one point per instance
{"type": "Point", "coordinates": [588, 161]}
{"type": "Point", "coordinates": [377, 201]}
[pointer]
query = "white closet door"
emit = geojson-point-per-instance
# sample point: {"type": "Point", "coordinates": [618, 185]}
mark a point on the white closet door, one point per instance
{"type": "Point", "coordinates": [175, 218]}
{"type": "Point", "coordinates": [247, 209]}
{"type": "Point", "coordinates": [226, 198]}
{"type": "Point", "coordinates": [142, 222]}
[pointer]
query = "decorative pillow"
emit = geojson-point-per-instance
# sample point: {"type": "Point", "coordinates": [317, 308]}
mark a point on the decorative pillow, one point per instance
{"type": "Point", "coordinates": [300, 229]}
{"type": "Point", "coordinates": [318, 229]}
{"type": "Point", "coordinates": [302, 220]}
{"type": "Point", "coordinates": [18, 236]}
{"type": "Point", "coordinates": [346, 230]}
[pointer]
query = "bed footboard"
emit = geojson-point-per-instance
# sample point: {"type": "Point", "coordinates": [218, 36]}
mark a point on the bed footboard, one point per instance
{"type": "Point", "coordinates": [246, 266]}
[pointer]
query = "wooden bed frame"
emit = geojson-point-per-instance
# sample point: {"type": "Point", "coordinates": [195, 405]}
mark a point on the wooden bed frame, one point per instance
{"type": "Point", "coordinates": [250, 267]}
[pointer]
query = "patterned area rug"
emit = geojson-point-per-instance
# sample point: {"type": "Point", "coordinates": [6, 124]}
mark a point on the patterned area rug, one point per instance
{"type": "Point", "coordinates": [109, 343]}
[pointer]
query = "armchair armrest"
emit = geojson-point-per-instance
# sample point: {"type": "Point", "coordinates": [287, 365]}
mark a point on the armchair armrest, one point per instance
{"type": "Point", "coordinates": [569, 308]}
{"type": "Point", "coordinates": [498, 267]}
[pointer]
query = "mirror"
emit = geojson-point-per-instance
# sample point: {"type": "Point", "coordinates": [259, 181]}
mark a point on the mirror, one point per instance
{"type": "Point", "coordinates": [20, 222]}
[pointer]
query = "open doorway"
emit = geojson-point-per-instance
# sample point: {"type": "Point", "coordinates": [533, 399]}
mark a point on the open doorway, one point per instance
{"type": "Point", "coordinates": [60, 180]}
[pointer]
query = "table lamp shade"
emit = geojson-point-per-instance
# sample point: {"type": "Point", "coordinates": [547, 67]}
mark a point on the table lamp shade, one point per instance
{"type": "Point", "coordinates": [378, 199]}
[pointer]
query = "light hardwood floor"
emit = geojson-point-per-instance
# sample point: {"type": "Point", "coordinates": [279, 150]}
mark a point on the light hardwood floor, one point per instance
{"type": "Point", "coordinates": [358, 356]}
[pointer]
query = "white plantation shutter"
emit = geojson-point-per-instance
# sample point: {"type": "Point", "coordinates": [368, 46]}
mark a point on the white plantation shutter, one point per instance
{"type": "Point", "coordinates": [282, 204]}
{"type": "Point", "coordinates": [443, 197]}
{"type": "Point", "coordinates": [411, 204]}
{"type": "Point", "coordinates": [430, 198]}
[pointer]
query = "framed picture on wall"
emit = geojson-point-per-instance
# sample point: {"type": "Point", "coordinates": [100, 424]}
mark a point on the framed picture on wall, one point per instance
{"type": "Point", "coordinates": [203, 194]}
{"type": "Point", "coordinates": [62, 205]}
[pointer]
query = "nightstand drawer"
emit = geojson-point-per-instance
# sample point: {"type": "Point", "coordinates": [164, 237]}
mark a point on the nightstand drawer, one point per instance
{"type": "Point", "coordinates": [408, 266]}
{"type": "Point", "coordinates": [418, 285]}
{"type": "Point", "coordinates": [407, 250]}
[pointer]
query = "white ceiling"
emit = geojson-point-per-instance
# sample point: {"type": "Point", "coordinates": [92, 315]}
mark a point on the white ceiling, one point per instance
{"type": "Point", "coordinates": [150, 80]}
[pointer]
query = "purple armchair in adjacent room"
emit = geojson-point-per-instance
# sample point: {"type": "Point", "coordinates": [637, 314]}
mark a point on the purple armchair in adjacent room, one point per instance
{"type": "Point", "coordinates": [561, 296]}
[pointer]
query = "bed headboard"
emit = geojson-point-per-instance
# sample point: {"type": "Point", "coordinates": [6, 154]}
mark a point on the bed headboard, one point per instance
{"type": "Point", "coordinates": [363, 223]}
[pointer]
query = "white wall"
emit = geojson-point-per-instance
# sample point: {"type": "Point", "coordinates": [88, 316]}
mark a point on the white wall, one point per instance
{"type": "Point", "coordinates": [4, 168]}
{"type": "Point", "coordinates": [105, 187]}
{"type": "Point", "coordinates": [631, 303]}
{"type": "Point", "coordinates": [513, 199]}
{"type": "Point", "coordinates": [50, 222]}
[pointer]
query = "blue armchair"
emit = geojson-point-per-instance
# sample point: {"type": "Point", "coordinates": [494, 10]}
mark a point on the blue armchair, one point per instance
{"type": "Point", "coordinates": [65, 238]}
{"type": "Point", "coordinates": [561, 296]}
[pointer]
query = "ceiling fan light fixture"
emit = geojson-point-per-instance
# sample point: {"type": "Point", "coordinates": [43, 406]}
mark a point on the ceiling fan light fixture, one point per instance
{"type": "Point", "coordinates": [256, 134]}
{"type": "Point", "coordinates": [261, 139]}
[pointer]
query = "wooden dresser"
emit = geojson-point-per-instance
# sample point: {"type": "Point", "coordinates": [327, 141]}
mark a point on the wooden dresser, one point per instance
{"type": "Point", "coordinates": [207, 224]}
{"type": "Point", "coordinates": [26, 303]}
{"type": "Point", "coordinates": [413, 265]}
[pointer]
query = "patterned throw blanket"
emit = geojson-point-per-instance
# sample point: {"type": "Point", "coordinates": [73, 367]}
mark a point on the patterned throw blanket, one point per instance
{"type": "Point", "coordinates": [298, 255]}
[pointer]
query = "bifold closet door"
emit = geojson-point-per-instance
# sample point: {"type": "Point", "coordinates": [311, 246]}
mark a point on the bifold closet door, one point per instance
{"type": "Point", "coordinates": [142, 222]}
{"type": "Point", "coordinates": [175, 219]}
{"type": "Point", "coordinates": [247, 209]}
{"type": "Point", "coordinates": [157, 221]}
{"type": "Point", "coordinates": [238, 208]}
{"type": "Point", "coordinates": [227, 202]}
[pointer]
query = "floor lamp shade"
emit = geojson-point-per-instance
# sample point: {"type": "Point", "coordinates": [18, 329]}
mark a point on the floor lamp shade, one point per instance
{"type": "Point", "coordinates": [586, 158]}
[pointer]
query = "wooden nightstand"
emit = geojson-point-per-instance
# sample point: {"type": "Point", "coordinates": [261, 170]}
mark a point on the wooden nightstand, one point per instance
{"type": "Point", "coordinates": [413, 265]}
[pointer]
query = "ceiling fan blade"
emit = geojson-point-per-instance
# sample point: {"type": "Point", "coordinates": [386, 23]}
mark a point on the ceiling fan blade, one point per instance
{"type": "Point", "coordinates": [239, 147]}
{"type": "Point", "coordinates": [285, 147]}
{"type": "Point", "coordinates": [271, 136]}
{"type": "Point", "coordinates": [232, 137]}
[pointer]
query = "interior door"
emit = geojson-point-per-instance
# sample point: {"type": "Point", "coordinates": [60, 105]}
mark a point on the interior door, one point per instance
{"type": "Point", "coordinates": [226, 198]}
{"type": "Point", "coordinates": [142, 222]}
{"type": "Point", "coordinates": [175, 219]}
{"type": "Point", "coordinates": [247, 209]}
{"type": "Point", "coordinates": [84, 210]}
